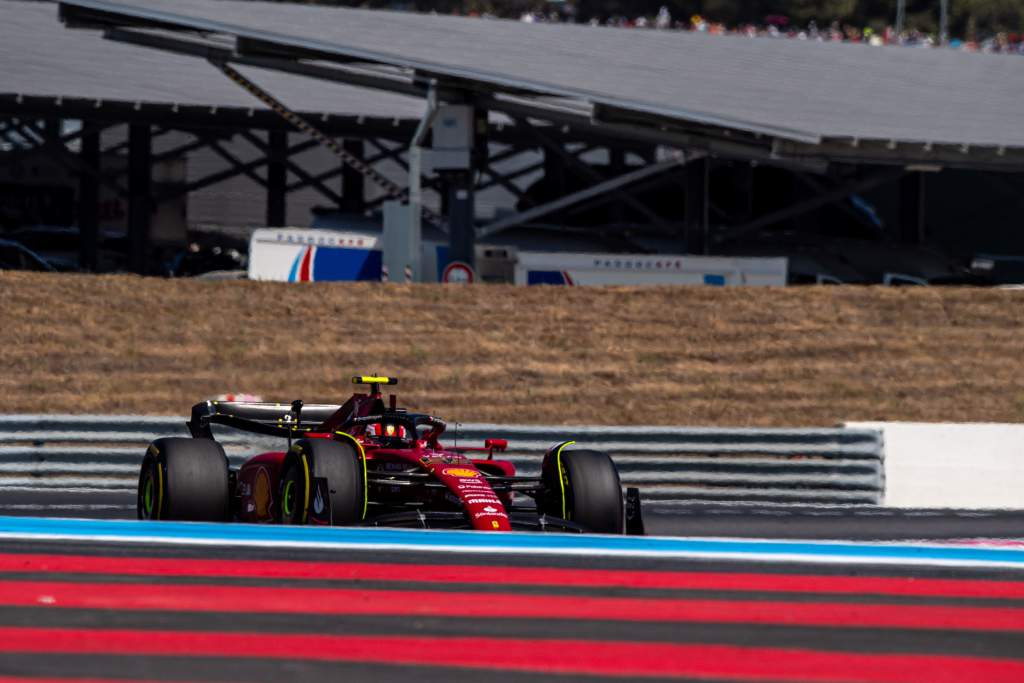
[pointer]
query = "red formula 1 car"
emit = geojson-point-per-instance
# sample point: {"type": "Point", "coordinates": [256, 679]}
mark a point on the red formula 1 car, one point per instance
{"type": "Point", "coordinates": [368, 462]}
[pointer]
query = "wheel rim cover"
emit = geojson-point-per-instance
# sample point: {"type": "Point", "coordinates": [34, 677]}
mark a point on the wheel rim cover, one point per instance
{"type": "Point", "coordinates": [147, 496]}
{"type": "Point", "coordinates": [288, 498]}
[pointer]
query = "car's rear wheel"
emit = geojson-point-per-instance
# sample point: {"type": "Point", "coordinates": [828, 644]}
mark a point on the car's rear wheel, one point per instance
{"type": "Point", "coordinates": [583, 487]}
{"type": "Point", "coordinates": [184, 479]}
{"type": "Point", "coordinates": [340, 463]}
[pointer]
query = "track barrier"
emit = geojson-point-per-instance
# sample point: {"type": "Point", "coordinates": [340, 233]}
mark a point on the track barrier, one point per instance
{"type": "Point", "coordinates": [670, 465]}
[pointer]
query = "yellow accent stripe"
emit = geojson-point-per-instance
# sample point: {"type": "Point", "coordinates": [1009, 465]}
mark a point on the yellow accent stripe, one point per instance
{"type": "Point", "coordinates": [561, 477]}
{"type": "Point", "coordinates": [362, 456]}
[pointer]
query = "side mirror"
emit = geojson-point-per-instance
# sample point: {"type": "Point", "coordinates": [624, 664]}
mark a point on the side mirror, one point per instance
{"type": "Point", "coordinates": [496, 444]}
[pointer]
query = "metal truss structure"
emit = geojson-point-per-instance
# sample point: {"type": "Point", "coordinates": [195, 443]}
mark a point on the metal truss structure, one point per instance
{"type": "Point", "coordinates": [522, 135]}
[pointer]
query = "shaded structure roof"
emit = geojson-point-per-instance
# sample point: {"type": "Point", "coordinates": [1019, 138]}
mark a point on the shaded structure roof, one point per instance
{"type": "Point", "coordinates": [808, 98]}
{"type": "Point", "coordinates": [43, 60]}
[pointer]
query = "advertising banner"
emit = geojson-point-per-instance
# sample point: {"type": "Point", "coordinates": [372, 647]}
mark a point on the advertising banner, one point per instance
{"type": "Point", "coordinates": [535, 268]}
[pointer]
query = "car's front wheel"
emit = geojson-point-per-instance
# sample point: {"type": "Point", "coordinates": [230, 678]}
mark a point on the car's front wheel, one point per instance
{"type": "Point", "coordinates": [583, 487]}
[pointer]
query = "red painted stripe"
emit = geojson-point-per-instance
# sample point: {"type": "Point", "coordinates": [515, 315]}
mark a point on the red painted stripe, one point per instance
{"type": "Point", "coordinates": [221, 598]}
{"type": "Point", "coordinates": [548, 656]}
{"type": "Point", "coordinates": [469, 574]}
{"type": "Point", "coordinates": [304, 268]}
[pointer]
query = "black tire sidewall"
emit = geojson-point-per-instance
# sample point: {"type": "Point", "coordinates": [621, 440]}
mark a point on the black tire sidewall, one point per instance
{"type": "Point", "coordinates": [148, 472]}
{"type": "Point", "coordinates": [195, 479]}
{"type": "Point", "coordinates": [593, 491]}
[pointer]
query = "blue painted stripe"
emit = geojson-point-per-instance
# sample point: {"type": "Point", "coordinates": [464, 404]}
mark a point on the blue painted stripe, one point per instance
{"type": "Point", "coordinates": [518, 543]}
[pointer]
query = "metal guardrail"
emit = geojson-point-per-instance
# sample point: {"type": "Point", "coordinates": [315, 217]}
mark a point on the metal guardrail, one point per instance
{"type": "Point", "coordinates": [671, 465]}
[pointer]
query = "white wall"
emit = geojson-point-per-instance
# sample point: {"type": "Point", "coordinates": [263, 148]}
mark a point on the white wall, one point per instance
{"type": "Point", "coordinates": [952, 465]}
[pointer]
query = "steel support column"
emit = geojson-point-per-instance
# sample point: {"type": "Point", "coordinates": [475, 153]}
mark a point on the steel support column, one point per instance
{"type": "Point", "coordinates": [461, 217]}
{"type": "Point", "coordinates": [695, 221]}
{"type": "Point", "coordinates": [139, 191]}
{"type": "Point", "coordinates": [912, 208]}
{"type": "Point", "coordinates": [554, 172]}
{"type": "Point", "coordinates": [617, 165]}
{"type": "Point", "coordinates": [353, 184]}
{"type": "Point", "coordinates": [277, 178]}
{"type": "Point", "coordinates": [89, 200]}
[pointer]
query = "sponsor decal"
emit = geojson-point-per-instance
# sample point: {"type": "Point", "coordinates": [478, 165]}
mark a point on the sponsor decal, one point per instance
{"type": "Point", "coordinates": [483, 490]}
{"type": "Point", "coordinates": [482, 501]}
{"type": "Point", "coordinates": [639, 263]}
{"type": "Point", "coordinates": [494, 524]}
{"type": "Point", "coordinates": [490, 509]}
{"type": "Point", "coordinates": [261, 496]}
{"type": "Point", "coordinates": [490, 514]}
{"type": "Point", "coordinates": [460, 472]}
{"type": "Point", "coordinates": [443, 459]}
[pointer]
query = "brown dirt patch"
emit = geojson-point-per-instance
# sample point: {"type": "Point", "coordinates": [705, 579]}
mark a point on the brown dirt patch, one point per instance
{"type": "Point", "coordinates": [666, 355]}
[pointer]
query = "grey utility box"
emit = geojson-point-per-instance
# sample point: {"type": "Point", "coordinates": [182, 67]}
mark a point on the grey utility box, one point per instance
{"type": "Point", "coordinates": [400, 242]}
{"type": "Point", "coordinates": [453, 138]}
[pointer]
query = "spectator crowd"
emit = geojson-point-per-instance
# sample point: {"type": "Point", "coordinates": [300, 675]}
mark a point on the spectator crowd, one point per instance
{"type": "Point", "coordinates": [778, 26]}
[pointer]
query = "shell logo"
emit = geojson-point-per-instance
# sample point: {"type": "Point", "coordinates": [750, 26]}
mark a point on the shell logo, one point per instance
{"type": "Point", "coordinates": [460, 472]}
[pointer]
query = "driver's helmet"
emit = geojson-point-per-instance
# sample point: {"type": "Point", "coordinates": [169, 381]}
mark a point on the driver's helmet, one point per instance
{"type": "Point", "coordinates": [387, 432]}
{"type": "Point", "coordinates": [393, 431]}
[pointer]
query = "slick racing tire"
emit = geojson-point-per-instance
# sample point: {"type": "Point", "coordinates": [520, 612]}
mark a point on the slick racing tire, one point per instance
{"type": "Point", "coordinates": [337, 461]}
{"type": "Point", "coordinates": [184, 479]}
{"type": "Point", "coordinates": [589, 493]}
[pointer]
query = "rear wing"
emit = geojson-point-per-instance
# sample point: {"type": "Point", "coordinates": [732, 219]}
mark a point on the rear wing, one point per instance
{"type": "Point", "coordinates": [270, 419]}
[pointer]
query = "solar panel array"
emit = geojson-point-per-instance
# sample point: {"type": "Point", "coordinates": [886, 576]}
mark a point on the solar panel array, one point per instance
{"type": "Point", "coordinates": [42, 58]}
{"type": "Point", "coordinates": [787, 88]}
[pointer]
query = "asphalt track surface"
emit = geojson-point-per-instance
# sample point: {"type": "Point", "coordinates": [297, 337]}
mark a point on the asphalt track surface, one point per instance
{"type": "Point", "coordinates": [708, 520]}
{"type": "Point", "coordinates": [87, 609]}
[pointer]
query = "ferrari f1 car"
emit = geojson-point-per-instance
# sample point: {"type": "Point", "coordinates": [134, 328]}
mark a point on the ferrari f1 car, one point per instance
{"type": "Point", "coordinates": [368, 462]}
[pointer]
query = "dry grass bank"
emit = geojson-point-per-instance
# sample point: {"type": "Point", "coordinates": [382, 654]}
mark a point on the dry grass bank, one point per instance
{"type": "Point", "coordinates": [802, 356]}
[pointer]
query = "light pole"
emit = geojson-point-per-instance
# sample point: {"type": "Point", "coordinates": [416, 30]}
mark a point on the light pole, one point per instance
{"type": "Point", "coordinates": [901, 15]}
